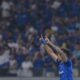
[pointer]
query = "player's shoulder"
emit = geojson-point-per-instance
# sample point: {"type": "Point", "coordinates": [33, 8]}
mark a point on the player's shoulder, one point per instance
{"type": "Point", "coordinates": [68, 62]}
{"type": "Point", "coordinates": [58, 61]}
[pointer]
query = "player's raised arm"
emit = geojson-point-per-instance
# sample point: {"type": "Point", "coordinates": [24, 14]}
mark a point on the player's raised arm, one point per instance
{"type": "Point", "coordinates": [49, 50]}
{"type": "Point", "coordinates": [59, 51]}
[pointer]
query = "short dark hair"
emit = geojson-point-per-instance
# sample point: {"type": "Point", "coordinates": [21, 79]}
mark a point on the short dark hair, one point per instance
{"type": "Point", "coordinates": [67, 52]}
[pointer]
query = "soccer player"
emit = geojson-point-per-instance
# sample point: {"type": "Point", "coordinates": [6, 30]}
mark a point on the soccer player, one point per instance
{"type": "Point", "coordinates": [62, 58]}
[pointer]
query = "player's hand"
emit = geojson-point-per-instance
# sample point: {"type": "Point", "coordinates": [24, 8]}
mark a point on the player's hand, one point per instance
{"type": "Point", "coordinates": [47, 39]}
{"type": "Point", "coordinates": [43, 40]}
{"type": "Point", "coordinates": [41, 37]}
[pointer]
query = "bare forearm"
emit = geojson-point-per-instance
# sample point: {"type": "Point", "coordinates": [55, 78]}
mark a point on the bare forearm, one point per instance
{"type": "Point", "coordinates": [48, 49]}
{"type": "Point", "coordinates": [56, 48]}
{"type": "Point", "coordinates": [50, 52]}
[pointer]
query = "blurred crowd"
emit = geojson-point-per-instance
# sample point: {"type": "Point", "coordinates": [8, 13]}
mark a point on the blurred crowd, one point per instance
{"type": "Point", "coordinates": [22, 22]}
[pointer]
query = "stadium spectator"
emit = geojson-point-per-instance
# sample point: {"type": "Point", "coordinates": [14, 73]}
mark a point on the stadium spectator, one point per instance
{"type": "Point", "coordinates": [49, 67]}
{"type": "Point", "coordinates": [12, 66]}
{"type": "Point", "coordinates": [76, 52]}
{"type": "Point", "coordinates": [4, 60]}
{"type": "Point", "coordinates": [6, 7]}
{"type": "Point", "coordinates": [27, 67]}
{"type": "Point", "coordinates": [38, 64]}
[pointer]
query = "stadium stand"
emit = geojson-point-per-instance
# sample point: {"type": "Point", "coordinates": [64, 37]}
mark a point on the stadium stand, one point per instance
{"type": "Point", "coordinates": [22, 22]}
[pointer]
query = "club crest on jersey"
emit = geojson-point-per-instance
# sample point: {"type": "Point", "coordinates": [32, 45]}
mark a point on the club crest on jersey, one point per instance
{"type": "Point", "coordinates": [61, 72]}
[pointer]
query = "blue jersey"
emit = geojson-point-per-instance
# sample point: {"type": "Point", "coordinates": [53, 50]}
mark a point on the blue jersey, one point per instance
{"type": "Point", "coordinates": [68, 70]}
{"type": "Point", "coordinates": [65, 70]}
